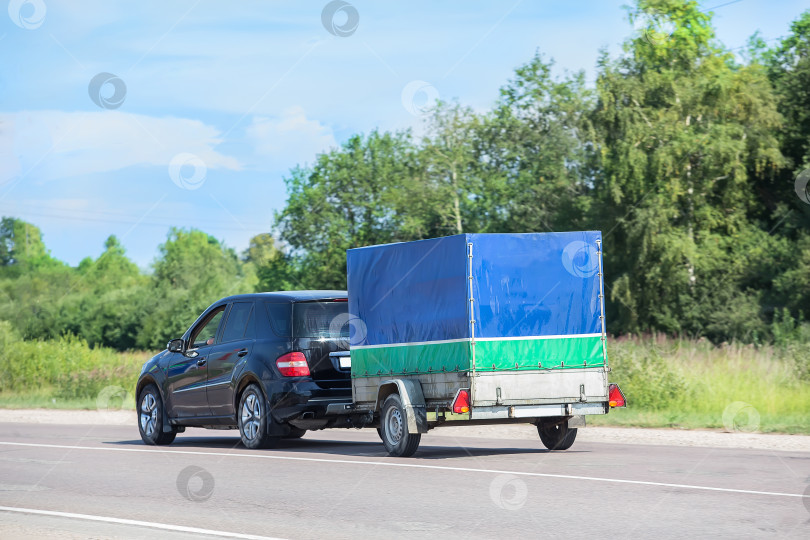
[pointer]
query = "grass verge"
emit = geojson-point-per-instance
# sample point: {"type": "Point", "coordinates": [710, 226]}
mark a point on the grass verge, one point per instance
{"type": "Point", "coordinates": [694, 384]}
{"type": "Point", "coordinates": [65, 373]}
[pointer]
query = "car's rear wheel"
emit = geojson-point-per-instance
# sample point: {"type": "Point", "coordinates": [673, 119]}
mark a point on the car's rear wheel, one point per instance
{"type": "Point", "coordinates": [394, 429]}
{"type": "Point", "coordinates": [556, 435]}
{"type": "Point", "coordinates": [150, 417]}
{"type": "Point", "coordinates": [254, 419]}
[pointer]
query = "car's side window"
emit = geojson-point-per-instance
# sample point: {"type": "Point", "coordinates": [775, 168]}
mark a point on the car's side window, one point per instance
{"type": "Point", "coordinates": [239, 319]}
{"type": "Point", "coordinates": [250, 329]}
{"type": "Point", "coordinates": [280, 316]}
{"type": "Point", "coordinates": [206, 331]}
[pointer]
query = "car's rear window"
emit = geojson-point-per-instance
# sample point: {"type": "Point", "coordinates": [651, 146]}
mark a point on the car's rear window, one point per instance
{"type": "Point", "coordinates": [320, 319]}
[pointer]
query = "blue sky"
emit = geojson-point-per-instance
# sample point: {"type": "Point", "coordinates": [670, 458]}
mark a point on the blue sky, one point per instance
{"type": "Point", "coordinates": [222, 99]}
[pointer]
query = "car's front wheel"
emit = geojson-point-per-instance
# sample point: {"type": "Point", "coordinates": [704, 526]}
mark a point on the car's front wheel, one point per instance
{"type": "Point", "coordinates": [254, 418]}
{"type": "Point", "coordinates": [150, 417]}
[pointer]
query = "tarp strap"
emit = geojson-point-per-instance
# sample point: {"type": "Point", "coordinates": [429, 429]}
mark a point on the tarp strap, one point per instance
{"type": "Point", "coordinates": [471, 304]}
{"type": "Point", "coordinates": [601, 301]}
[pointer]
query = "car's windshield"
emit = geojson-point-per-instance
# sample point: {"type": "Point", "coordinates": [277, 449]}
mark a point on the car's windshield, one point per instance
{"type": "Point", "coordinates": [321, 319]}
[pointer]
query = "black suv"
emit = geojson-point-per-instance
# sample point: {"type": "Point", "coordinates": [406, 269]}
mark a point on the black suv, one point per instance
{"type": "Point", "coordinates": [271, 364]}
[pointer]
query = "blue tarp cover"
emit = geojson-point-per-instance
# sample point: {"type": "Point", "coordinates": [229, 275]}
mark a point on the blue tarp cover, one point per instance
{"type": "Point", "coordinates": [534, 284]}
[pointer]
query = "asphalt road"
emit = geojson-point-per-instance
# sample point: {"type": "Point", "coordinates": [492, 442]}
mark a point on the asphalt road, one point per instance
{"type": "Point", "coordinates": [78, 481]}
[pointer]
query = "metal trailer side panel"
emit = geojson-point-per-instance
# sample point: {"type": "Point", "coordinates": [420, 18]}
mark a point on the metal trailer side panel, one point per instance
{"type": "Point", "coordinates": [587, 385]}
{"type": "Point", "coordinates": [436, 387]}
{"type": "Point", "coordinates": [502, 388]}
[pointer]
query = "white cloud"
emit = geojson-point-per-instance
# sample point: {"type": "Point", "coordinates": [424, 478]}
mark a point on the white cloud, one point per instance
{"type": "Point", "coordinates": [57, 144]}
{"type": "Point", "coordinates": [289, 139]}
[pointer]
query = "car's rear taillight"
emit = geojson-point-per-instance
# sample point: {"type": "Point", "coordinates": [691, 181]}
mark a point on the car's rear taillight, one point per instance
{"type": "Point", "coordinates": [462, 402]}
{"type": "Point", "coordinates": [293, 364]}
{"type": "Point", "coordinates": [615, 396]}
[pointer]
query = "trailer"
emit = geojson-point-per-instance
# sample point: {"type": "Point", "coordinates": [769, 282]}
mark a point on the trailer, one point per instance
{"type": "Point", "coordinates": [478, 329]}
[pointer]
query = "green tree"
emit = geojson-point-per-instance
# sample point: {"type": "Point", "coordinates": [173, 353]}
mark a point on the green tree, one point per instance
{"type": "Point", "coordinates": [21, 246]}
{"type": "Point", "coordinates": [192, 271]}
{"type": "Point", "coordinates": [447, 195]}
{"type": "Point", "coordinates": [352, 196]}
{"type": "Point", "coordinates": [262, 250]}
{"type": "Point", "coordinates": [107, 305]}
{"type": "Point", "coordinates": [682, 133]}
{"type": "Point", "coordinates": [533, 153]}
{"type": "Point", "coordinates": [789, 69]}
{"type": "Point", "coordinates": [273, 268]}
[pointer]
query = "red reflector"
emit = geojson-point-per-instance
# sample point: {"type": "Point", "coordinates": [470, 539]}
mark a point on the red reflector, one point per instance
{"type": "Point", "coordinates": [340, 300]}
{"type": "Point", "coordinates": [615, 396]}
{"type": "Point", "coordinates": [462, 402]}
{"type": "Point", "coordinates": [293, 364]}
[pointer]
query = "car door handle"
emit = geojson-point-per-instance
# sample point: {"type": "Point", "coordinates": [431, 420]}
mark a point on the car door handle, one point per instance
{"type": "Point", "coordinates": [242, 352]}
{"type": "Point", "coordinates": [201, 362]}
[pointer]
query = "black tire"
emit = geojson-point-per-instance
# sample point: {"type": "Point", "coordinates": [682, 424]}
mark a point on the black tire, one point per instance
{"type": "Point", "coordinates": [556, 435]}
{"type": "Point", "coordinates": [254, 419]}
{"type": "Point", "coordinates": [379, 433]}
{"type": "Point", "coordinates": [150, 418]}
{"type": "Point", "coordinates": [394, 429]}
{"type": "Point", "coordinates": [295, 433]}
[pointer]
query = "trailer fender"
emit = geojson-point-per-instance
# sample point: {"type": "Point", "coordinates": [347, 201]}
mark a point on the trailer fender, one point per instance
{"type": "Point", "coordinates": [413, 400]}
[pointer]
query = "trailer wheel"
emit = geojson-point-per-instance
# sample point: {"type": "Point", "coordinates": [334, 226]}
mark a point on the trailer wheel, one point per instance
{"type": "Point", "coordinates": [556, 435]}
{"type": "Point", "coordinates": [394, 429]}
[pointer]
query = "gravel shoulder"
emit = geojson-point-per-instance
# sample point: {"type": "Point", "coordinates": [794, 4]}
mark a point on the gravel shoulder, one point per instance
{"type": "Point", "coordinates": [667, 437]}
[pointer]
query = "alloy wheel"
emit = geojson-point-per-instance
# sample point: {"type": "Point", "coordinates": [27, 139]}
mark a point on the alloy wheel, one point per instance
{"type": "Point", "coordinates": [149, 412]}
{"type": "Point", "coordinates": [251, 417]}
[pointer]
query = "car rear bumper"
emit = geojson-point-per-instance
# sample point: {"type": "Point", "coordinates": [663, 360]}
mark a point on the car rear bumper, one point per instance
{"type": "Point", "coordinates": [296, 401]}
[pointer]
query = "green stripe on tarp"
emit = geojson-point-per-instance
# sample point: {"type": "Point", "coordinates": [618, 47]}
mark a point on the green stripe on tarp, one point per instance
{"type": "Point", "coordinates": [512, 354]}
{"type": "Point", "coordinates": [402, 359]}
{"type": "Point", "coordinates": [490, 355]}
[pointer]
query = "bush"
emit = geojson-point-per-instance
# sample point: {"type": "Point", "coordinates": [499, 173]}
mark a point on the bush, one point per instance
{"type": "Point", "coordinates": [646, 378]}
{"type": "Point", "coordinates": [66, 368]}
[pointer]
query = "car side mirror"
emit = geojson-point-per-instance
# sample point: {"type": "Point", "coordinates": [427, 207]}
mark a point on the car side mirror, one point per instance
{"type": "Point", "coordinates": [175, 345]}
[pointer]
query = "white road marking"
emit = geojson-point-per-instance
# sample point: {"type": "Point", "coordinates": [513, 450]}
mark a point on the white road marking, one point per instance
{"type": "Point", "coordinates": [414, 466]}
{"type": "Point", "coordinates": [150, 524]}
